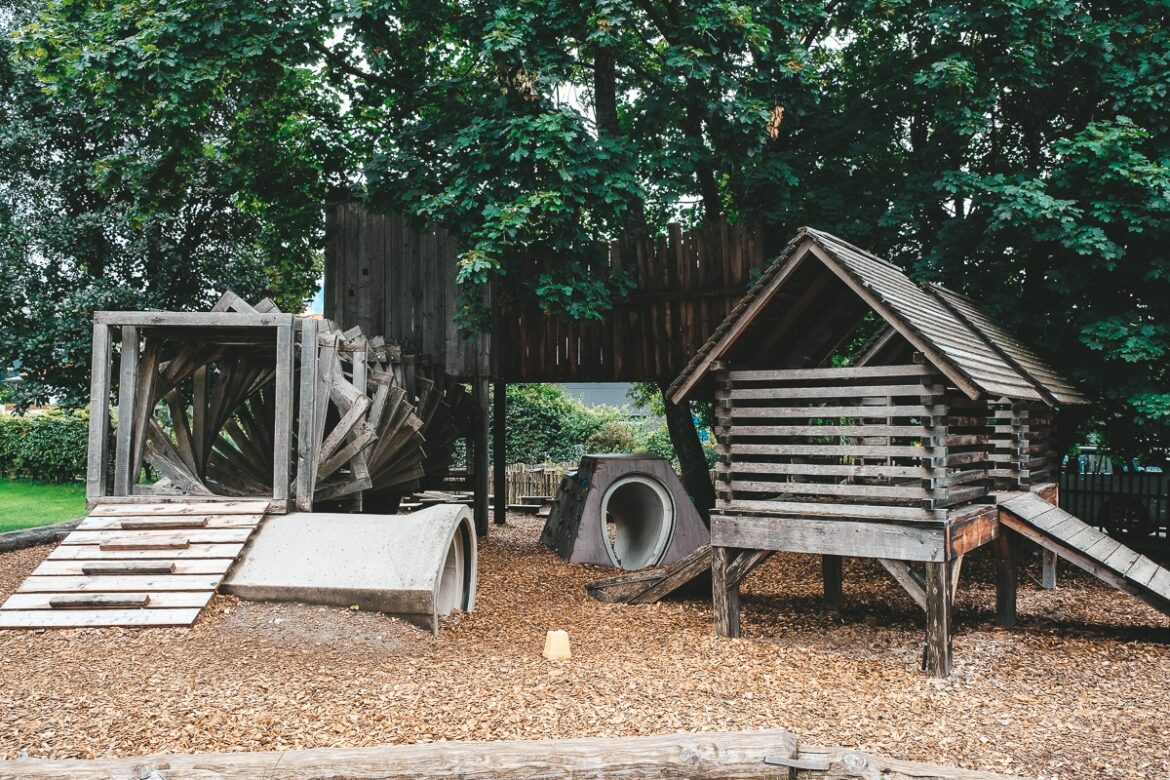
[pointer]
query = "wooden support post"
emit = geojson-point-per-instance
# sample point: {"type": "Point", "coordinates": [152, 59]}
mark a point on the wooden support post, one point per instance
{"type": "Point", "coordinates": [1006, 577]}
{"type": "Point", "coordinates": [724, 592]}
{"type": "Point", "coordinates": [834, 577]}
{"type": "Point", "coordinates": [1047, 569]}
{"type": "Point", "coordinates": [282, 428]}
{"type": "Point", "coordinates": [127, 383]}
{"type": "Point", "coordinates": [938, 619]}
{"type": "Point", "coordinates": [99, 415]}
{"type": "Point", "coordinates": [499, 451]}
{"type": "Point", "coordinates": [306, 424]}
{"type": "Point", "coordinates": [480, 455]}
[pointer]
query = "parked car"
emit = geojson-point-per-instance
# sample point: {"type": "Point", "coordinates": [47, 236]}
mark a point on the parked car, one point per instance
{"type": "Point", "coordinates": [1125, 498]}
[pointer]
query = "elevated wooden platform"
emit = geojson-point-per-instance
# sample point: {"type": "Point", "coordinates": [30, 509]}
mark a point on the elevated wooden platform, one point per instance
{"type": "Point", "coordinates": [136, 564]}
{"type": "Point", "coordinates": [1054, 529]}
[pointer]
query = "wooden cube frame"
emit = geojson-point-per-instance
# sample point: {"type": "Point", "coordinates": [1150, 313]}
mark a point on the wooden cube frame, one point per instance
{"type": "Point", "coordinates": [127, 450]}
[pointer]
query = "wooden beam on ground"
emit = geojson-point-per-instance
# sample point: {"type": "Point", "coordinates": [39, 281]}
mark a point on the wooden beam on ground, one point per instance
{"type": "Point", "coordinates": [705, 756]}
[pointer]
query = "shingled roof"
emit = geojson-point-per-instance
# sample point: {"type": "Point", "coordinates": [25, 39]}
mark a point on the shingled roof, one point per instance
{"type": "Point", "coordinates": [951, 332]}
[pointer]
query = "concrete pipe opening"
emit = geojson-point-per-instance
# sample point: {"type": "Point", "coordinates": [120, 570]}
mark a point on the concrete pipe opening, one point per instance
{"type": "Point", "coordinates": [637, 515]}
{"type": "Point", "coordinates": [452, 593]}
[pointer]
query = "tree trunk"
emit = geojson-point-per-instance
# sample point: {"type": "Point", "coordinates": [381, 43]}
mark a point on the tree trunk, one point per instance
{"type": "Point", "coordinates": [696, 477]}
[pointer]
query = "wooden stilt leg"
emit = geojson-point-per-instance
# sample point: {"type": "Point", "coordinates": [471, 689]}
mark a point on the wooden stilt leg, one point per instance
{"type": "Point", "coordinates": [834, 577]}
{"type": "Point", "coordinates": [1048, 569]}
{"type": "Point", "coordinates": [1006, 547]}
{"type": "Point", "coordinates": [724, 592]}
{"type": "Point", "coordinates": [938, 619]}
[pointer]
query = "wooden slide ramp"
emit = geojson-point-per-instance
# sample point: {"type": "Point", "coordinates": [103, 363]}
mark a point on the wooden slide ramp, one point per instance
{"type": "Point", "coordinates": [135, 565]}
{"type": "Point", "coordinates": [1084, 546]}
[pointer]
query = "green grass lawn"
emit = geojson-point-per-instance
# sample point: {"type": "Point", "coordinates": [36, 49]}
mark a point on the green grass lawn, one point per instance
{"type": "Point", "coordinates": [28, 504]}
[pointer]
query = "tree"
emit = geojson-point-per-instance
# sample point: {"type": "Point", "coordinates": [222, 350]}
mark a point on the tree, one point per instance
{"type": "Point", "coordinates": [150, 155]}
{"type": "Point", "coordinates": [1016, 151]}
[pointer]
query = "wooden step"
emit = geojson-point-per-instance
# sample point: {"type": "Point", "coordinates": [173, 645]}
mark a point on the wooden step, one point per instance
{"type": "Point", "coordinates": [127, 567]}
{"type": "Point", "coordinates": [173, 543]}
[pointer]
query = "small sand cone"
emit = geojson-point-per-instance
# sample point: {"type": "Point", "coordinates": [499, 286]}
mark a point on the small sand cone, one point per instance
{"type": "Point", "coordinates": [556, 646]}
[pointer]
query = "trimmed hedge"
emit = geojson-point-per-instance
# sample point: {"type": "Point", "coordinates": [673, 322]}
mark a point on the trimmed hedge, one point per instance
{"type": "Point", "coordinates": [49, 447]}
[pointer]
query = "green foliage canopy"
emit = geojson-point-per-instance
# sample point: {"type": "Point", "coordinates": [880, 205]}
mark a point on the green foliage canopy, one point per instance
{"type": "Point", "coordinates": [1016, 151]}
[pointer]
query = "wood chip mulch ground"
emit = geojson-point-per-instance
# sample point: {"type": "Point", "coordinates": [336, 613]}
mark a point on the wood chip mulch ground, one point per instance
{"type": "Point", "coordinates": [1078, 690]}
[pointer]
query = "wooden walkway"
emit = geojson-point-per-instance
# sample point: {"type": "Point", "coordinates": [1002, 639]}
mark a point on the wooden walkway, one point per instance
{"type": "Point", "coordinates": [136, 565]}
{"type": "Point", "coordinates": [1087, 548]}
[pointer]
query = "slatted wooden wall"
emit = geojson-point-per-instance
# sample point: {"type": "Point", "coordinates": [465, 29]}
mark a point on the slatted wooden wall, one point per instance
{"type": "Point", "coordinates": [687, 283]}
{"type": "Point", "coordinates": [388, 277]}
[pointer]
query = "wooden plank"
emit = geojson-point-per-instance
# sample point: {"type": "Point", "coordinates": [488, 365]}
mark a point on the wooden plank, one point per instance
{"type": "Point", "coordinates": [96, 618]}
{"type": "Point", "coordinates": [283, 414]}
{"type": "Point", "coordinates": [827, 470]}
{"type": "Point", "coordinates": [186, 507]}
{"type": "Point", "coordinates": [1121, 559]}
{"type": "Point", "coordinates": [798, 508]}
{"type": "Point", "coordinates": [192, 319]}
{"type": "Point", "coordinates": [75, 568]}
{"type": "Point", "coordinates": [101, 601]}
{"type": "Point", "coordinates": [86, 584]}
{"type": "Point", "coordinates": [93, 552]}
{"type": "Point", "coordinates": [910, 580]}
{"type": "Point", "coordinates": [871, 431]}
{"type": "Point", "coordinates": [158, 599]}
{"type": "Point", "coordinates": [724, 593]}
{"type": "Point", "coordinates": [1143, 571]}
{"type": "Point", "coordinates": [122, 538]}
{"type": "Point", "coordinates": [831, 450]}
{"type": "Point", "coordinates": [127, 380]}
{"type": "Point", "coordinates": [1006, 578]}
{"type": "Point", "coordinates": [1078, 558]}
{"type": "Point", "coordinates": [817, 489]}
{"type": "Point", "coordinates": [306, 422]}
{"type": "Point", "coordinates": [938, 619]}
{"type": "Point", "coordinates": [845, 373]}
{"type": "Point", "coordinates": [833, 579]}
{"type": "Point", "coordinates": [167, 523]}
{"type": "Point", "coordinates": [848, 389]}
{"type": "Point", "coordinates": [747, 412]}
{"type": "Point", "coordinates": [117, 569]}
{"type": "Point", "coordinates": [829, 537]}
{"type": "Point", "coordinates": [160, 543]}
{"type": "Point", "coordinates": [97, 459]}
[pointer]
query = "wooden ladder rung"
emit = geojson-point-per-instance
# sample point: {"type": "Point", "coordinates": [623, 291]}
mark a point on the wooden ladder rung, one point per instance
{"type": "Point", "coordinates": [100, 601]}
{"type": "Point", "coordinates": [145, 544]}
{"type": "Point", "coordinates": [128, 567]}
{"type": "Point", "coordinates": [161, 523]}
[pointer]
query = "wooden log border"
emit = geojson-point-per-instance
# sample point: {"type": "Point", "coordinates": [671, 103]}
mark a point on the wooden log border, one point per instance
{"type": "Point", "coordinates": [703, 756]}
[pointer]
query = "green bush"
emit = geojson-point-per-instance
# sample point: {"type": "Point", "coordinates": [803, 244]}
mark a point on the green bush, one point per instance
{"type": "Point", "coordinates": [545, 424]}
{"type": "Point", "coordinates": [49, 447]}
{"type": "Point", "coordinates": [612, 436]}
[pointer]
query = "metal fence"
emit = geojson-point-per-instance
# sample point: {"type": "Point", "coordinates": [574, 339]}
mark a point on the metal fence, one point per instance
{"type": "Point", "coordinates": [1131, 506]}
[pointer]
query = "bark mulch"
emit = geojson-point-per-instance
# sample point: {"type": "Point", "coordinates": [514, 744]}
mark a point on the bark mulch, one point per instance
{"type": "Point", "coordinates": [1078, 690]}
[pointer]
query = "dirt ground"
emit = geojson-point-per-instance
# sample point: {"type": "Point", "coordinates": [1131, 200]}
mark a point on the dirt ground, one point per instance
{"type": "Point", "coordinates": [1078, 690]}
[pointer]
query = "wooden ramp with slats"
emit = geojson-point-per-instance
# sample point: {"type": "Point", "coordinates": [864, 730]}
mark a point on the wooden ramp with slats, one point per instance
{"type": "Point", "coordinates": [135, 564]}
{"type": "Point", "coordinates": [1084, 546]}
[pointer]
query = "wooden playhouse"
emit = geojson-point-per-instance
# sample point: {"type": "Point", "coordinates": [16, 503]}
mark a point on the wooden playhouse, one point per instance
{"type": "Point", "coordinates": [895, 455]}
